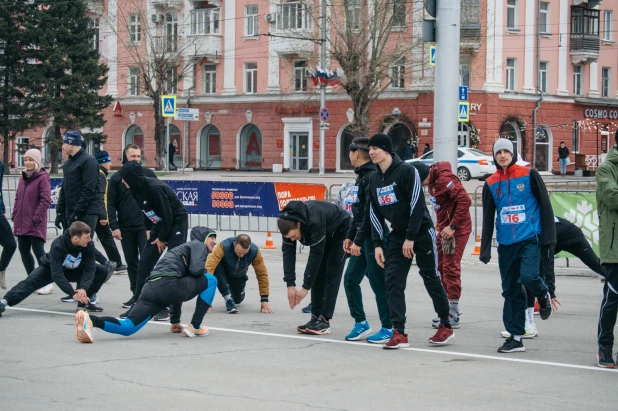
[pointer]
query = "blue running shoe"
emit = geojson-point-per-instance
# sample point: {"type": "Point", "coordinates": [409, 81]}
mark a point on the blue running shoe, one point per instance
{"type": "Point", "coordinates": [381, 337]}
{"type": "Point", "coordinates": [230, 306]}
{"type": "Point", "coordinates": [94, 299]}
{"type": "Point", "coordinates": [307, 309]}
{"type": "Point", "coordinates": [360, 330]}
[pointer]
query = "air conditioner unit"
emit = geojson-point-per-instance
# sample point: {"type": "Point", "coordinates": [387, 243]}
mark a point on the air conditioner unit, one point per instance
{"type": "Point", "coordinates": [271, 18]}
{"type": "Point", "coordinates": [157, 18]}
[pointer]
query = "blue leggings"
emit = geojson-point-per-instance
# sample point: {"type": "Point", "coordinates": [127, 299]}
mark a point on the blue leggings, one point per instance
{"type": "Point", "coordinates": [158, 294]}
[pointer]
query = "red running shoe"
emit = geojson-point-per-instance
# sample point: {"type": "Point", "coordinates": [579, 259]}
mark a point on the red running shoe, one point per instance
{"type": "Point", "coordinates": [397, 341]}
{"type": "Point", "coordinates": [443, 335]}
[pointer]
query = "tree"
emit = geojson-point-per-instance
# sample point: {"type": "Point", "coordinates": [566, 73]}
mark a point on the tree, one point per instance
{"type": "Point", "coordinates": [370, 40]}
{"type": "Point", "coordinates": [15, 72]}
{"type": "Point", "coordinates": [68, 73]}
{"type": "Point", "coordinates": [161, 52]}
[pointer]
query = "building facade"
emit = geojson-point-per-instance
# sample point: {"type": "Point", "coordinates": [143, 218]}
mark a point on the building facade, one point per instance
{"type": "Point", "coordinates": [239, 65]}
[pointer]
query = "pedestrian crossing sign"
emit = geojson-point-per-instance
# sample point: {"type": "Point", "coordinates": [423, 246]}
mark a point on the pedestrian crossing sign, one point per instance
{"type": "Point", "coordinates": [463, 112]}
{"type": "Point", "coordinates": [168, 106]}
{"type": "Point", "coordinates": [432, 55]}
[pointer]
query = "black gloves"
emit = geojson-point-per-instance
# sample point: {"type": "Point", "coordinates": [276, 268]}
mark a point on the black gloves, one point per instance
{"type": "Point", "coordinates": [60, 222]}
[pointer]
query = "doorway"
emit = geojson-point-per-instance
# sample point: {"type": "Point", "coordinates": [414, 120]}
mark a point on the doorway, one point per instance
{"type": "Point", "coordinates": [299, 150]}
{"type": "Point", "coordinates": [463, 134]}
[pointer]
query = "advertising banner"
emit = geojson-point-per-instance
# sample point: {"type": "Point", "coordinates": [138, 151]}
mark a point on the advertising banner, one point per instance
{"type": "Point", "coordinates": [581, 210]}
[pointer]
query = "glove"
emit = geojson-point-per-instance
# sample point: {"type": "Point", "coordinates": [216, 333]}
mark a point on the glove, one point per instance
{"type": "Point", "coordinates": [60, 222]}
{"type": "Point", "coordinates": [448, 245]}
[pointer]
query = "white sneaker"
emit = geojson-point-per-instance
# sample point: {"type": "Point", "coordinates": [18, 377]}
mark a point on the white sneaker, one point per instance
{"type": "Point", "coordinates": [48, 289]}
{"type": "Point", "coordinates": [531, 332]}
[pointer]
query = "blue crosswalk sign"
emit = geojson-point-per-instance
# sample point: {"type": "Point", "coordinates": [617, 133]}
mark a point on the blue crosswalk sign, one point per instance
{"type": "Point", "coordinates": [432, 55]}
{"type": "Point", "coordinates": [168, 106]}
{"type": "Point", "coordinates": [463, 112]}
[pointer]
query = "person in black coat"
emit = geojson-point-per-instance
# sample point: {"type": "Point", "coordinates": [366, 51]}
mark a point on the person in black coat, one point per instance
{"type": "Point", "coordinates": [171, 150]}
{"type": "Point", "coordinates": [563, 156]}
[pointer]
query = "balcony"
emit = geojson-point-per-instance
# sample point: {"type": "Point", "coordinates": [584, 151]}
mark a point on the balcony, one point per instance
{"type": "Point", "coordinates": [470, 32]}
{"type": "Point", "coordinates": [167, 4]}
{"type": "Point", "coordinates": [289, 47]}
{"type": "Point", "coordinates": [199, 46]}
{"type": "Point", "coordinates": [585, 48]}
{"type": "Point", "coordinates": [167, 46]}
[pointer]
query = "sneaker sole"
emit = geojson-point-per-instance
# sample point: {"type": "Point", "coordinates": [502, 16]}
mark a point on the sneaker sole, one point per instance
{"type": "Point", "coordinates": [119, 272]}
{"type": "Point", "coordinates": [453, 326]}
{"type": "Point", "coordinates": [234, 311]}
{"type": "Point", "coordinates": [126, 306]}
{"type": "Point", "coordinates": [192, 334]}
{"type": "Point", "coordinates": [394, 347]}
{"type": "Point", "coordinates": [610, 366]}
{"type": "Point", "coordinates": [519, 349]}
{"type": "Point", "coordinates": [318, 332]}
{"type": "Point", "coordinates": [360, 336]}
{"type": "Point", "coordinates": [81, 334]}
{"type": "Point", "coordinates": [527, 337]}
{"type": "Point", "coordinates": [301, 331]}
{"type": "Point", "coordinates": [68, 301]}
{"type": "Point", "coordinates": [162, 319]}
{"type": "Point", "coordinates": [441, 342]}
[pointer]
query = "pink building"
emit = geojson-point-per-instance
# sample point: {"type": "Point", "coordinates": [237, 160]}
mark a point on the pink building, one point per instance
{"type": "Point", "coordinates": [243, 67]}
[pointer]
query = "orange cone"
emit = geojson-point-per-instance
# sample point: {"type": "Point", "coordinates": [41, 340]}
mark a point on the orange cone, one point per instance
{"type": "Point", "coordinates": [269, 242]}
{"type": "Point", "coordinates": [477, 246]}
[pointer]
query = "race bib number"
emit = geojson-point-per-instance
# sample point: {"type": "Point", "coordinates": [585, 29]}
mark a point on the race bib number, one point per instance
{"type": "Point", "coordinates": [352, 198]}
{"type": "Point", "coordinates": [434, 203]}
{"type": "Point", "coordinates": [71, 263]}
{"type": "Point", "coordinates": [386, 196]}
{"type": "Point", "coordinates": [513, 214]}
{"type": "Point", "coordinates": [152, 216]}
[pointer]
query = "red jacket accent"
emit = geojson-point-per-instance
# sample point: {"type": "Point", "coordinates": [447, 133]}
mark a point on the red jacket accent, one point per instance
{"type": "Point", "coordinates": [449, 198]}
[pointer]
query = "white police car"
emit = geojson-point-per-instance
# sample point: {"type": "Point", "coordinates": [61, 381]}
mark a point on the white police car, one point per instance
{"type": "Point", "coordinates": [471, 163]}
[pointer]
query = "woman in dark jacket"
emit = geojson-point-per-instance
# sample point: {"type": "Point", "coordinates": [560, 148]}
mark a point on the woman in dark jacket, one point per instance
{"type": "Point", "coordinates": [32, 201]}
{"type": "Point", "coordinates": [563, 155]}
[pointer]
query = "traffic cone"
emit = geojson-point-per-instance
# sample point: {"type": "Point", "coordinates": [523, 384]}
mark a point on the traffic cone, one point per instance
{"type": "Point", "coordinates": [269, 242]}
{"type": "Point", "coordinates": [477, 245]}
{"type": "Point", "coordinates": [537, 307]}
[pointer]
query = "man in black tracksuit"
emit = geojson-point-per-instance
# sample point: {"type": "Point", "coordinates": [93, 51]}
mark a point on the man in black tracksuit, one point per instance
{"type": "Point", "coordinates": [126, 221]}
{"type": "Point", "coordinates": [397, 196]}
{"type": "Point", "coordinates": [178, 277]}
{"type": "Point", "coordinates": [321, 226]}
{"type": "Point", "coordinates": [70, 259]}
{"type": "Point", "coordinates": [165, 217]}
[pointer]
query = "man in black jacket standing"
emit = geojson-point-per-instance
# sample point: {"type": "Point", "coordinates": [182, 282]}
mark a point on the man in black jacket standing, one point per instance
{"type": "Point", "coordinates": [397, 196]}
{"type": "Point", "coordinates": [165, 217]}
{"type": "Point", "coordinates": [178, 277]}
{"type": "Point", "coordinates": [70, 259]}
{"type": "Point", "coordinates": [323, 227]}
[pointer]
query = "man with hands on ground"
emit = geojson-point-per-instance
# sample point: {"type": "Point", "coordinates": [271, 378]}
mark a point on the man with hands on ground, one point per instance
{"type": "Point", "coordinates": [229, 262]}
{"type": "Point", "coordinates": [322, 226]}
{"type": "Point", "coordinates": [397, 196]}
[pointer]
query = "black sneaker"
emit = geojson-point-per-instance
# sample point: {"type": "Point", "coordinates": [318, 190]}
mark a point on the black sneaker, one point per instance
{"type": "Point", "coordinates": [545, 310]}
{"type": "Point", "coordinates": [125, 314]}
{"type": "Point", "coordinates": [164, 315]}
{"type": "Point", "coordinates": [512, 345]}
{"type": "Point", "coordinates": [303, 328]}
{"type": "Point", "coordinates": [89, 307]}
{"type": "Point", "coordinates": [129, 303]}
{"type": "Point", "coordinates": [604, 357]}
{"type": "Point", "coordinates": [319, 327]}
{"type": "Point", "coordinates": [120, 269]}
{"type": "Point", "coordinates": [68, 299]}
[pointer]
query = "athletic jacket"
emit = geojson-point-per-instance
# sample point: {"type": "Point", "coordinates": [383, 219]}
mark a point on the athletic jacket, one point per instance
{"type": "Point", "coordinates": [524, 210]}
{"type": "Point", "coordinates": [187, 259]}
{"type": "Point", "coordinates": [122, 208]}
{"type": "Point", "coordinates": [449, 198]}
{"type": "Point", "coordinates": [398, 197]}
{"type": "Point", "coordinates": [64, 256]}
{"type": "Point", "coordinates": [356, 205]}
{"type": "Point", "coordinates": [158, 201]}
{"type": "Point", "coordinates": [78, 194]}
{"type": "Point", "coordinates": [319, 222]}
{"type": "Point", "coordinates": [237, 267]}
{"type": "Point", "coordinates": [102, 186]}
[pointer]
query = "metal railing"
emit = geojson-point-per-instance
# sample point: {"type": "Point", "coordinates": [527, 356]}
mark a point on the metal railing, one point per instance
{"type": "Point", "coordinates": [585, 43]}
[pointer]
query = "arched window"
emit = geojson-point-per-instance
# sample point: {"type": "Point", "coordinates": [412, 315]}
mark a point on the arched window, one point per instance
{"type": "Point", "coordinates": [135, 135]}
{"type": "Point", "coordinates": [511, 131]}
{"type": "Point", "coordinates": [347, 135]}
{"type": "Point", "coordinates": [176, 141]}
{"type": "Point", "coordinates": [399, 133]}
{"type": "Point", "coordinates": [250, 148]}
{"type": "Point", "coordinates": [463, 134]}
{"type": "Point", "coordinates": [210, 148]}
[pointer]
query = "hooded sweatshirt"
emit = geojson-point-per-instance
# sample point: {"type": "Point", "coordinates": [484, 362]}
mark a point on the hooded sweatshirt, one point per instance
{"type": "Point", "coordinates": [157, 200]}
{"type": "Point", "coordinates": [607, 207]}
{"type": "Point", "coordinates": [449, 198]}
{"type": "Point", "coordinates": [519, 195]}
{"type": "Point", "coordinates": [320, 221]}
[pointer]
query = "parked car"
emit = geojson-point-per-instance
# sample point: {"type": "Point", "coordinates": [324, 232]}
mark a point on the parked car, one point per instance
{"type": "Point", "coordinates": [471, 163]}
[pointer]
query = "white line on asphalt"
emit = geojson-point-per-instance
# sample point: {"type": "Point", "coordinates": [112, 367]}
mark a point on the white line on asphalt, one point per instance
{"type": "Point", "coordinates": [361, 344]}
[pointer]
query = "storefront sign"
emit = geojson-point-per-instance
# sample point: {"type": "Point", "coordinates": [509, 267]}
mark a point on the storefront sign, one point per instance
{"type": "Point", "coordinates": [600, 113]}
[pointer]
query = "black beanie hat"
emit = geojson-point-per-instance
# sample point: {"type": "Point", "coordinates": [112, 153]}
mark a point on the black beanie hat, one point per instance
{"type": "Point", "coordinates": [423, 169]}
{"type": "Point", "coordinates": [381, 141]}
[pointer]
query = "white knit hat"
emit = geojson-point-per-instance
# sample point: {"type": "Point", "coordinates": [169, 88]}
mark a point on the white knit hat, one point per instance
{"type": "Point", "coordinates": [503, 144]}
{"type": "Point", "coordinates": [35, 155]}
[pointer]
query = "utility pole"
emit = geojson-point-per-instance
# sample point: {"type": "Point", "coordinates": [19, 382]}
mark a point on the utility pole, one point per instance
{"type": "Point", "coordinates": [322, 86]}
{"type": "Point", "coordinates": [446, 89]}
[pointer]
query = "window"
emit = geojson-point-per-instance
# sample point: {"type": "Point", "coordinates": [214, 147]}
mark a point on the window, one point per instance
{"type": "Point", "coordinates": [544, 18]}
{"type": "Point", "coordinates": [575, 137]}
{"type": "Point", "coordinates": [205, 21]}
{"type": "Point", "coordinates": [511, 14]}
{"type": "Point", "coordinates": [543, 79]}
{"type": "Point", "coordinates": [134, 81]}
{"type": "Point", "coordinates": [22, 147]}
{"type": "Point", "coordinates": [171, 31]}
{"type": "Point", "coordinates": [135, 28]}
{"type": "Point", "coordinates": [398, 71]}
{"type": "Point", "coordinates": [464, 70]}
{"type": "Point", "coordinates": [399, 13]}
{"type": "Point", "coordinates": [210, 79]}
{"type": "Point", "coordinates": [352, 8]}
{"type": "Point", "coordinates": [292, 16]}
{"type": "Point", "coordinates": [171, 81]}
{"type": "Point", "coordinates": [94, 24]}
{"type": "Point", "coordinates": [250, 78]}
{"type": "Point", "coordinates": [607, 25]}
{"type": "Point", "coordinates": [511, 70]}
{"type": "Point", "coordinates": [300, 75]}
{"type": "Point", "coordinates": [584, 21]}
{"type": "Point", "coordinates": [251, 20]}
{"type": "Point", "coordinates": [578, 72]}
{"type": "Point", "coordinates": [605, 82]}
